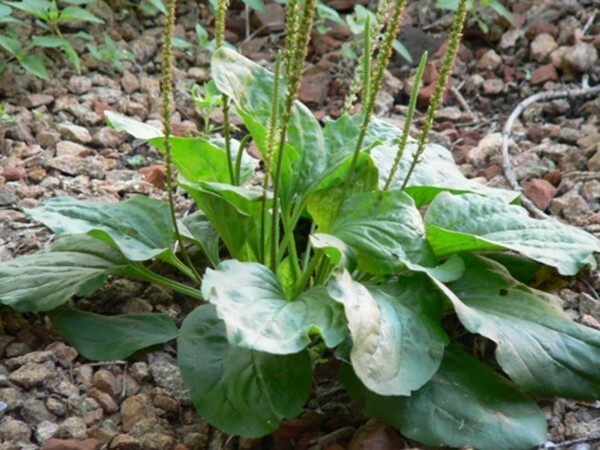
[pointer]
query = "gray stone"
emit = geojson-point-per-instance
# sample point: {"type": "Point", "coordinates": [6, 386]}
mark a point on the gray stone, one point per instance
{"type": "Point", "coordinates": [72, 428]}
{"type": "Point", "coordinates": [36, 100]}
{"type": "Point", "coordinates": [129, 82]}
{"type": "Point", "coordinates": [34, 411]}
{"type": "Point", "coordinates": [490, 145]}
{"type": "Point", "coordinates": [63, 353]}
{"type": "Point", "coordinates": [47, 139]}
{"type": "Point", "coordinates": [108, 137]}
{"type": "Point", "coordinates": [68, 148]}
{"type": "Point", "coordinates": [6, 197]}
{"type": "Point", "coordinates": [490, 60]}
{"type": "Point", "coordinates": [79, 85]}
{"type": "Point", "coordinates": [542, 46]}
{"type": "Point", "coordinates": [32, 375]}
{"type": "Point", "coordinates": [493, 86]}
{"type": "Point", "coordinates": [581, 57]}
{"type": "Point", "coordinates": [135, 409]}
{"type": "Point", "coordinates": [75, 133]}
{"type": "Point", "coordinates": [33, 357]}
{"type": "Point", "coordinates": [45, 431]}
{"type": "Point", "coordinates": [12, 398]}
{"type": "Point", "coordinates": [528, 165]}
{"type": "Point", "coordinates": [140, 371]}
{"type": "Point", "coordinates": [166, 374]}
{"type": "Point", "coordinates": [14, 431]}
{"type": "Point", "coordinates": [593, 164]}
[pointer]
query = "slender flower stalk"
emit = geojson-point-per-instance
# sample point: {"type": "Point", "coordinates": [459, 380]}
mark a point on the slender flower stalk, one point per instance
{"type": "Point", "coordinates": [412, 104]}
{"type": "Point", "coordinates": [294, 74]}
{"type": "Point", "coordinates": [383, 59]}
{"type": "Point", "coordinates": [445, 72]}
{"type": "Point", "coordinates": [291, 32]}
{"type": "Point", "coordinates": [221, 11]}
{"type": "Point", "coordinates": [167, 80]}
{"type": "Point", "coordinates": [374, 37]}
{"type": "Point", "coordinates": [268, 161]}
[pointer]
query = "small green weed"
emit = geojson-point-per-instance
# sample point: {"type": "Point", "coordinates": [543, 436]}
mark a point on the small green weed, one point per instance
{"type": "Point", "coordinates": [48, 17]}
{"type": "Point", "coordinates": [482, 11]}
{"type": "Point", "coordinates": [110, 54]}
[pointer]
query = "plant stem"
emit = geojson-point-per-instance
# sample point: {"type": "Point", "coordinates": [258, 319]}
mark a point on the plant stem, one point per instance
{"type": "Point", "coordinates": [166, 116]}
{"type": "Point", "coordinates": [138, 271]}
{"type": "Point", "coordinates": [238, 158]}
{"type": "Point", "coordinates": [306, 275]}
{"type": "Point", "coordinates": [221, 11]}
{"type": "Point", "coordinates": [383, 58]}
{"type": "Point", "coordinates": [306, 256]}
{"type": "Point", "coordinates": [438, 94]}
{"type": "Point", "coordinates": [412, 104]}
{"type": "Point", "coordinates": [294, 71]}
{"type": "Point", "coordinates": [268, 162]}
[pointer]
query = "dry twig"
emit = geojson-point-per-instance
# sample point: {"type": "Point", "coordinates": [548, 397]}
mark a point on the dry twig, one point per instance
{"type": "Point", "coordinates": [507, 167]}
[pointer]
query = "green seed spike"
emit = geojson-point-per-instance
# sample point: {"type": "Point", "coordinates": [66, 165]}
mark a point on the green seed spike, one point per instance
{"type": "Point", "coordinates": [291, 33]}
{"type": "Point", "coordinates": [445, 73]}
{"type": "Point", "coordinates": [167, 80]}
{"type": "Point", "coordinates": [221, 11]}
{"type": "Point", "coordinates": [366, 60]}
{"type": "Point", "coordinates": [375, 37]}
{"type": "Point", "coordinates": [362, 77]}
{"type": "Point", "coordinates": [294, 72]}
{"type": "Point", "coordinates": [383, 59]}
{"type": "Point", "coordinates": [272, 146]}
{"type": "Point", "coordinates": [412, 104]}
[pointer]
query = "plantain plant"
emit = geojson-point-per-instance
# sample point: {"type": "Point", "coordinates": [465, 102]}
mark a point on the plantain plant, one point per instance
{"type": "Point", "coordinates": [360, 242]}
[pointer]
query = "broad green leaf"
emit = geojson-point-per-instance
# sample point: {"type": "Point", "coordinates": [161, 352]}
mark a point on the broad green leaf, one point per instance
{"type": "Point", "coordinates": [398, 343]}
{"type": "Point", "coordinates": [335, 249]}
{"type": "Point", "coordinates": [288, 274]}
{"type": "Point", "coordinates": [451, 270]}
{"type": "Point", "coordinates": [48, 41]}
{"type": "Point", "coordinates": [436, 173]}
{"type": "Point", "coordinates": [240, 391]}
{"type": "Point", "coordinates": [251, 88]}
{"type": "Point", "coordinates": [270, 322]}
{"type": "Point", "coordinates": [465, 404]}
{"type": "Point", "coordinates": [34, 65]}
{"type": "Point", "coordinates": [12, 46]}
{"type": "Point", "coordinates": [158, 4]}
{"type": "Point", "coordinates": [47, 279]}
{"type": "Point", "coordinates": [73, 56]}
{"type": "Point", "coordinates": [470, 222]}
{"type": "Point", "coordinates": [79, 2]}
{"type": "Point", "coordinates": [140, 227]}
{"type": "Point", "coordinates": [520, 268]}
{"type": "Point", "coordinates": [78, 13]}
{"type": "Point", "coordinates": [383, 228]}
{"type": "Point", "coordinates": [402, 50]}
{"type": "Point", "coordinates": [38, 8]}
{"type": "Point", "coordinates": [203, 233]}
{"type": "Point", "coordinates": [5, 11]}
{"type": "Point", "coordinates": [134, 127]}
{"type": "Point", "coordinates": [235, 213]}
{"type": "Point", "coordinates": [105, 338]}
{"type": "Point", "coordinates": [195, 158]}
{"type": "Point", "coordinates": [341, 136]}
{"type": "Point", "coordinates": [538, 346]}
{"type": "Point", "coordinates": [324, 203]}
